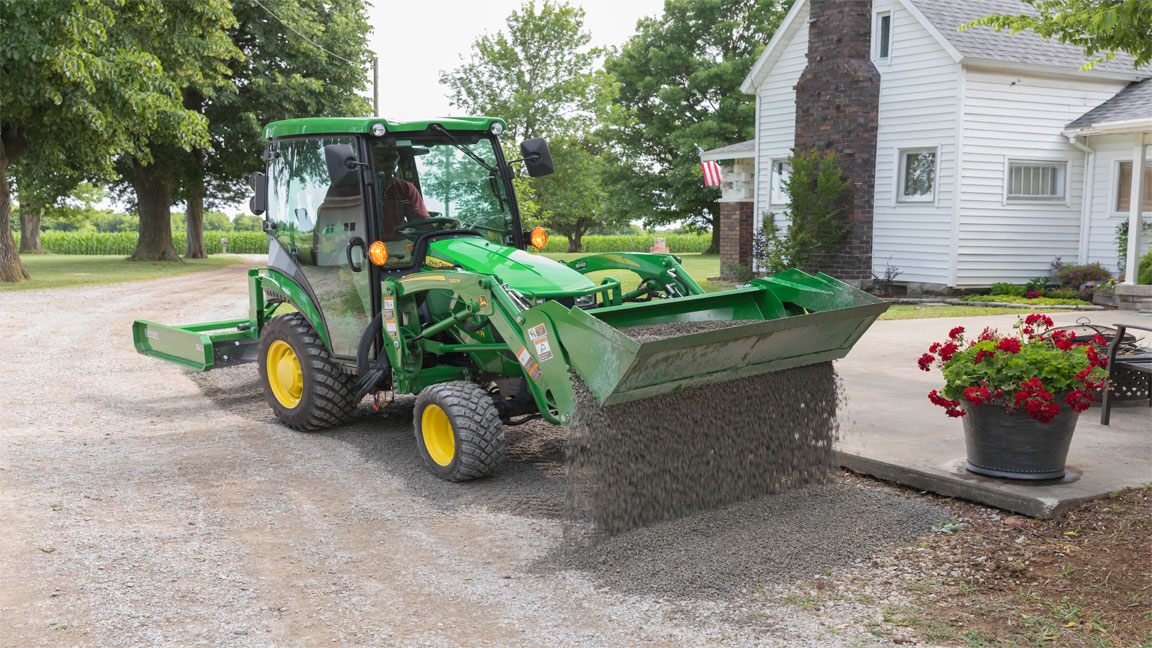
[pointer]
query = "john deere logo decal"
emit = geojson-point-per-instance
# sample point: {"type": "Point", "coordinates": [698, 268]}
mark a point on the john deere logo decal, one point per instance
{"type": "Point", "coordinates": [437, 263]}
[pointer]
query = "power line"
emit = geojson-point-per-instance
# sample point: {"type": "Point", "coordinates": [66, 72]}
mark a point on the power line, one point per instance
{"type": "Point", "coordinates": [306, 39]}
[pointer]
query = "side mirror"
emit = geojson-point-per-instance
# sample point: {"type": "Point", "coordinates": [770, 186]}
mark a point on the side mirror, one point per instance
{"type": "Point", "coordinates": [259, 201]}
{"type": "Point", "coordinates": [537, 158]}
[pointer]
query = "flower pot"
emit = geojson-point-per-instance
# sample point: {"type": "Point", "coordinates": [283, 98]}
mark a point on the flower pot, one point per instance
{"type": "Point", "coordinates": [1015, 445]}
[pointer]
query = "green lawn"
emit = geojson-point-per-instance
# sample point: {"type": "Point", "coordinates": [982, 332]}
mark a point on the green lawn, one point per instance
{"type": "Point", "coordinates": [916, 311]}
{"type": "Point", "coordinates": [65, 270]}
{"type": "Point", "coordinates": [699, 266]}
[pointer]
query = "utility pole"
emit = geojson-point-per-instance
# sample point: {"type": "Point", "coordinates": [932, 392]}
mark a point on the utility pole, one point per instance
{"type": "Point", "coordinates": [375, 84]}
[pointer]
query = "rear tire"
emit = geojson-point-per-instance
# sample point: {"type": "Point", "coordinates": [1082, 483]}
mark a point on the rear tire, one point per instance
{"type": "Point", "coordinates": [458, 431]}
{"type": "Point", "coordinates": [307, 391]}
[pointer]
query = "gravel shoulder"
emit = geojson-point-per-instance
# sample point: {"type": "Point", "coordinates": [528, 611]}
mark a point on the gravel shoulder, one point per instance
{"type": "Point", "coordinates": [146, 505]}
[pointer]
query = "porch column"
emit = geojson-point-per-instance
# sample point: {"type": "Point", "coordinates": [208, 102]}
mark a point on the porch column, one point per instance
{"type": "Point", "coordinates": [1135, 207]}
{"type": "Point", "coordinates": [736, 215]}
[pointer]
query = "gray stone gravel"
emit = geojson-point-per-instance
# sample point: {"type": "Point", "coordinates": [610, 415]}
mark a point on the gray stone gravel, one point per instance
{"type": "Point", "coordinates": [653, 332]}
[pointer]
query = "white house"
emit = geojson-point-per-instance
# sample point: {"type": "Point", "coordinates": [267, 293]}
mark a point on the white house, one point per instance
{"type": "Point", "coordinates": [977, 156]}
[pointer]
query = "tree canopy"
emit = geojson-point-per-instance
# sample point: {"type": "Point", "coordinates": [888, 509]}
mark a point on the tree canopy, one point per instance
{"type": "Point", "coordinates": [679, 82]}
{"type": "Point", "coordinates": [1100, 27]}
{"type": "Point", "coordinates": [81, 82]}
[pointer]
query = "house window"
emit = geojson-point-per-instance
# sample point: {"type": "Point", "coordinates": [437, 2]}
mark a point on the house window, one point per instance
{"type": "Point", "coordinates": [917, 181]}
{"type": "Point", "coordinates": [883, 35]}
{"type": "Point", "coordinates": [1124, 188]}
{"type": "Point", "coordinates": [778, 190]}
{"type": "Point", "coordinates": [1031, 180]}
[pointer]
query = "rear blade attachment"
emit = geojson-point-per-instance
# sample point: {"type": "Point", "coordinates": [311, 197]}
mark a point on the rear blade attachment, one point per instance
{"type": "Point", "coordinates": [788, 320]}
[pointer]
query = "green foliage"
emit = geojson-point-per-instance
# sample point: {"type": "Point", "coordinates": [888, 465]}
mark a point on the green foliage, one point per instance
{"type": "Point", "coordinates": [1038, 358]}
{"type": "Point", "coordinates": [1122, 242]}
{"type": "Point", "coordinates": [1100, 27]}
{"type": "Point", "coordinates": [1007, 289]}
{"type": "Point", "coordinates": [571, 201]}
{"type": "Point", "coordinates": [815, 229]}
{"type": "Point", "coordinates": [1016, 299]}
{"type": "Point", "coordinates": [593, 243]}
{"type": "Point", "coordinates": [679, 82]}
{"type": "Point", "coordinates": [537, 73]}
{"type": "Point", "coordinates": [1144, 271]}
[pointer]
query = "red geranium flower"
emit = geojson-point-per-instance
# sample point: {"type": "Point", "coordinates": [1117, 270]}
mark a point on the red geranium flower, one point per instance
{"type": "Point", "coordinates": [956, 333]}
{"type": "Point", "coordinates": [1078, 399]}
{"type": "Point", "coordinates": [926, 361]}
{"type": "Point", "coordinates": [948, 350]}
{"type": "Point", "coordinates": [1099, 340]}
{"type": "Point", "coordinates": [934, 348]}
{"type": "Point", "coordinates": [976, 395]}
{"type": "Point", "coordinates": [1038, 318]}
{"type": "Point", "coordinates": [1033, 294]}
{"type": "Point", "coordinates": [986, 334]}
{"type": "Point", "coordinates": [1011, 345]}
{"type": "Point", "coordinates": [1062, 340]}
{"type": "Point", "coordinates": [981, 354]}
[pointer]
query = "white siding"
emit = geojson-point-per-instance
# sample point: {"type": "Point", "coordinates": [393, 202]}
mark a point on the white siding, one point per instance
{"type": "Point", "coordinates": [919, 92]}
{"type": "Point", "coordinates": [1013, 116]}
{"type": "Point", "coordinates": [776, 123]}
{"type": "Point", "coordinates": [1103, 217]}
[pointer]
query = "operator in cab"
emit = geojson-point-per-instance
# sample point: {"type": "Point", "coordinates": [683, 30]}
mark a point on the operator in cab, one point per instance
{"type": "Point", "coordinates": [402, 201]}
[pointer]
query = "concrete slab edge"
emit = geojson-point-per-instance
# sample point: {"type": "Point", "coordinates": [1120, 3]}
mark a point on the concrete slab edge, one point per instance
{"type": "Point", "coordinates": [1036, 507]}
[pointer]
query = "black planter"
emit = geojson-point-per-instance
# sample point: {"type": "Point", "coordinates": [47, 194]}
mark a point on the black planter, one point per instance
{"type": "Point", "coordinates": [1015, 445]}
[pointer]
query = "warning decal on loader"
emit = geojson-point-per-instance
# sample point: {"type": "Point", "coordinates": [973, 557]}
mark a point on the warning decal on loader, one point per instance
{"type": "Point", "coordinates": [539, 336]}
{"type": "Point", "coordinates": [390, 316]}
{"type": "Point", "coordinates": [529, 364]}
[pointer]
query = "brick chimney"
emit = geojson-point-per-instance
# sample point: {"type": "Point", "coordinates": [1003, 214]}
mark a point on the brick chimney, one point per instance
{"type": "Point", "coordinates": [837, 103]}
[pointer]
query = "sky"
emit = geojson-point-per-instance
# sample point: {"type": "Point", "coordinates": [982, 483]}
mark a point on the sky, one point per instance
{"type": "Point", "coordinates": [415, 40]}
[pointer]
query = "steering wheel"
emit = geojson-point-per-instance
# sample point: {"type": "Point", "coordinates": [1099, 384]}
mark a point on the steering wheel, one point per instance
{"type": "Point", "coordinates": [413, 229]}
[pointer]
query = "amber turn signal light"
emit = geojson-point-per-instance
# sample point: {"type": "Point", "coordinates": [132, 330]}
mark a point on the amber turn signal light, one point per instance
{"type": "Point", "coordinates": [378, 253]}
{"type": "Point", "coordinates": [538, 238]}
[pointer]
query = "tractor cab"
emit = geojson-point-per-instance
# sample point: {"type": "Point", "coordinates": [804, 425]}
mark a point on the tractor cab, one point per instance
{"type": "Point", "coordinates": [349, 202]}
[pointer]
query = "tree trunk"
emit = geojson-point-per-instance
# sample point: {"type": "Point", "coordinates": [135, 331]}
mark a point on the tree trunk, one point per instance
{"type": "Point", "coordinates": [11, 270]}
{"type": "Point", "coordinates": [714, 246]}
{"type": "Point", "coordinates": [154, 201]}
{"type": "Point", "coordinates": [30, 215]}
{"type": "Point", "coordinates": [194, 217]}
{"type": "Point", "coordinates": [574, 244]}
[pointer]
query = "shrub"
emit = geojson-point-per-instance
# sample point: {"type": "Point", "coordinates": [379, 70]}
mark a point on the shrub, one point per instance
{"type": "Point", "coordinates": [1076, 275]}
{"type": "Point", "coordinates": [1008, 289]}
{"type": "Point", "coordinates": [1033, 301]}
{"type": "Point", "coordinates": [1144, 271]}
{"type": "Point", "coordinates": [815, 228]}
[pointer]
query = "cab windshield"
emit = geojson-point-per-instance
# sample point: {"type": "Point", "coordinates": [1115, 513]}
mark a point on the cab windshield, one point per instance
{"type": "Point", "coordinates": [428, 183]}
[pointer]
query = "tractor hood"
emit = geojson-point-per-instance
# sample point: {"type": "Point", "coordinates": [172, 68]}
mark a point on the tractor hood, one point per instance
{"type": "Point", "coordinates": [522, 271]}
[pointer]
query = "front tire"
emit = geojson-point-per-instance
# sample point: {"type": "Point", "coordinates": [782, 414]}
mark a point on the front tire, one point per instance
{"type": "Point", "coordinates": [307, 391]}
{"type": "Point", "coordinates": [458, 431]}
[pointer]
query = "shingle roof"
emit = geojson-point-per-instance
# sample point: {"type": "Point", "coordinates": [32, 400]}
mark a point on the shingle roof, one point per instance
{"type": "Point", "coordinates": [1024, 47]}
{"type": "Point", "coordinates": [731, 151]}
{"type": "Point", "coordinates": [1133, 102]}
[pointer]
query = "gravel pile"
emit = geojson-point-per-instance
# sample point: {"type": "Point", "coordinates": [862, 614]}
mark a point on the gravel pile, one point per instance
{"type": "Point", "coordinates": [767, 541]}
{"type": "Point", "coordinates": [660, 458]}
{"type": "Point", "coordinates": [653, 332]}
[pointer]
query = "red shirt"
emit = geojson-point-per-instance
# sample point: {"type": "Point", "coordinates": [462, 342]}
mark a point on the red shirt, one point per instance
{"type": "Point", "coordinates": [402, 203]}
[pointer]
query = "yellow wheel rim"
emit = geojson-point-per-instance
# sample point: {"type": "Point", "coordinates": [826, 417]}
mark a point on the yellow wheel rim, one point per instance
{"type": "Point", "coordinates": [285, 376]}
{"type": "Point", "coordinates": [437, 432]}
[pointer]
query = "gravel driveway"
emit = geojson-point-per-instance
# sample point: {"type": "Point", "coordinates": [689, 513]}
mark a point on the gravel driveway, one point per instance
{"type": "Point", "coordinates": [141, 504]}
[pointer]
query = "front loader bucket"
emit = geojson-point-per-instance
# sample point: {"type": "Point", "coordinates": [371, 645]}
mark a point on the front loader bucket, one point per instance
{"type": "Point", "coordinates": [793, 319]}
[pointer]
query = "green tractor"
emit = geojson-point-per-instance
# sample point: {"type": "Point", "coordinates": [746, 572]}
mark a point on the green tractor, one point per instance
{"type": "Point", "coordinates": [398, 264]}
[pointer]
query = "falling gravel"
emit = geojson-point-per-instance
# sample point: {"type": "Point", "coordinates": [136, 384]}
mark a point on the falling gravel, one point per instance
{"type": "Point", "coordinates": [660, 458]}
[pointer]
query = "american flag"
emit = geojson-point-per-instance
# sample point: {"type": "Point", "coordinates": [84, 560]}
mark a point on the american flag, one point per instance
{"type": "Point", "coordinates": [711, 170]}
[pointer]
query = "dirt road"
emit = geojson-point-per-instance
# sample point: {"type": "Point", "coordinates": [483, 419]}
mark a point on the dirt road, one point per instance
{"type": "Point", "coordinates": [141, 504]}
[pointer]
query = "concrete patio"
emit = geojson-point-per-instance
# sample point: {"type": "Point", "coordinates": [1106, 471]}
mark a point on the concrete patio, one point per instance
{"type": "Point", "coordinates": [891, 431]}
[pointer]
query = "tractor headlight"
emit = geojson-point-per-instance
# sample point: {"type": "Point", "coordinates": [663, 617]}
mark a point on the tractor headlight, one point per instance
{"type": "Point", "coordinates": [497, 128]}
{"type": "Point", "coordinates": [379, 130]}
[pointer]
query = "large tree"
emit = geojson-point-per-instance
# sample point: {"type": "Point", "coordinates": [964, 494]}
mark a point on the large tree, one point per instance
{"type": "Point", "coordinates": [1100, 27]}
{"type": "Point", "coordinates": [299, 58]}
{"type": "Point", "coordinates": [194, 49]}
{"type": "Point", "coordinates": [78, 85]}
{"type": "Point", "coordinates": [679, 86]}
{"type": "Point", "coordinates": [538, 73]}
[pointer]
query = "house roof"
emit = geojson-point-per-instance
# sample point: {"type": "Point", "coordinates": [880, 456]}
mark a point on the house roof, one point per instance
{"type": "Point", "coordinates": [1025, 48]}
{"type": "Point", "coordinates": [942, 19]}
{"type": "Point", "coordinates": [731, 152]}
{"type": "Point", "coordinates": [1132, 103]}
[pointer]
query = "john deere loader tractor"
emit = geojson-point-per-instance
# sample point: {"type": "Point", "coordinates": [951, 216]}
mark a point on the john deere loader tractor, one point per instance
{"type": "Point", "coordinates": [397, 264]}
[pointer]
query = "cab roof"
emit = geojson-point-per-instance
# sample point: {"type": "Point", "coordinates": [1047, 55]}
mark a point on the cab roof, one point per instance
{"type": "Point", "coordinates": [363, 125]}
